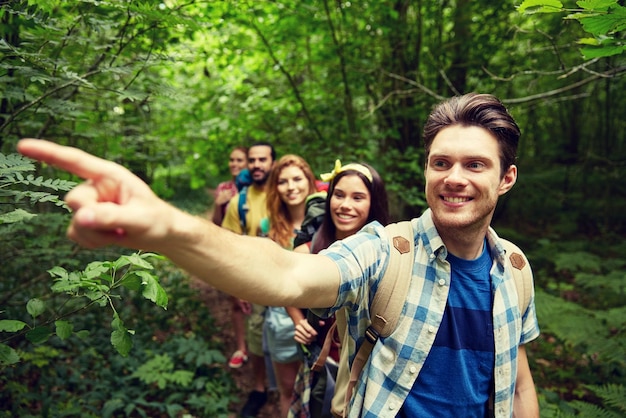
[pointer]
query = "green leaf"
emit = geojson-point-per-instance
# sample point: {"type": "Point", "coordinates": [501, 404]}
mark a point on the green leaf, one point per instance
{"type": "Point", "coordinates": [8, 355]}
{"type": "Point", "coordinates": [95, 269]}
{"type": "Point", "coordinates": [64, 329]}
{"type": "Point", "coordinates": [58, 272]}
{"type": "Point", "coordinates": [132, 281]}
{"type": "Point", "coordinates": [38, 335]}
{"type": "Point", "coordinates": [11, 325]}
{"type": "Point", "coordinates": [152, 289]}
{"type": "Point", "coordinates": [35, 307]}
{"type": "Point", "coordinates": [138, 261]}
{"type": "Point", "coordinates": [120, 337]}
{"type": "Point", "coordinates": [603, 24]}
{"type": "Point", "coordinates": [541, 6]}
{"type": "Point", "coordinates": [596, 5]}
{"type": "Point", "coordinates": [182, 377]}
{"type": "Point", "coordinates": [82, 334]}
{"type": "Point", "coordinates": [589, 41]}
{"type": "Point", "coordinates": [605, 51]}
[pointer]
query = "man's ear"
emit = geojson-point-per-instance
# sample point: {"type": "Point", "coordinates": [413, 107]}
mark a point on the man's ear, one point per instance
{"type": "Point", "coordinates": [508, 180]}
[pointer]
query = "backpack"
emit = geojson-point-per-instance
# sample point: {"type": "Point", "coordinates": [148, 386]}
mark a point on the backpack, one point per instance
{"type": "Point", "coordinates": [242, 181]}
{"type": "Point", "coordinates": [313, 217]}
{"type": "Point", "coordinates": [388, 303]}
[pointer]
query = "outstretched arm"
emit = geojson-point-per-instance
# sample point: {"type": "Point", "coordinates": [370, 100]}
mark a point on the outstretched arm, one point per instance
{"type": "Point", "coordinates": [113, 206]}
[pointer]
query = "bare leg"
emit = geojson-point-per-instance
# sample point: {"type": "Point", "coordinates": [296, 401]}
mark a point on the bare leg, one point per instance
{"type": "Point", "coordinates": [285, 378]}
{"type": "Point", "coordinates": [258, 371]}
{"type": "Point", "coordinates": [239, 321]}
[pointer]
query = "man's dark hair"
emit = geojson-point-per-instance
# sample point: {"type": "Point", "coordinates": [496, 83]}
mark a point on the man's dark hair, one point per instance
{"type": "Point", "coordinates": [482, 110]}
{"type": "Point", "coordinates": [265, 144]}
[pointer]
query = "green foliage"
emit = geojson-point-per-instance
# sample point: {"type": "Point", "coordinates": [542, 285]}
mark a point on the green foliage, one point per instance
{"type": "Point", "coordinates": [581, 310]}
{"type": "Point", "coordinates": [53, 337]}
{"type": "Point", "coordinates": [603, 19]}
{"type": "Point", "coordinates": [160, 371]}
{"type": "Point", "coordinates": [96, 285]}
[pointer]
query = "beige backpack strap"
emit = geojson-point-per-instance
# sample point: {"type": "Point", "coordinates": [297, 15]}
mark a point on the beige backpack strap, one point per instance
{"type": "Point", "coordinates": [521, 272]}
{"type": "Point", "coordinates": [389, 299]}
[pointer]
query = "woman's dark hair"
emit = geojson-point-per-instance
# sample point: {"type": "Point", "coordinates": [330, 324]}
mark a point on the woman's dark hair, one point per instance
{"type": "Point", "coordinates": [482, 110]}
{"type": "Point", "coordinates": [379, 208]}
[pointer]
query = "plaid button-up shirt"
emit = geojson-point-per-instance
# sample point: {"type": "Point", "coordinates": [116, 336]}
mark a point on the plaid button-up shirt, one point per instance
{"type": "Point", "coordinates": [397, 360]}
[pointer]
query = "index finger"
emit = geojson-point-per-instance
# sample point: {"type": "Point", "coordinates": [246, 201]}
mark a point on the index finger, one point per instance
{"type": "Point", "coordinates": [70, 159]}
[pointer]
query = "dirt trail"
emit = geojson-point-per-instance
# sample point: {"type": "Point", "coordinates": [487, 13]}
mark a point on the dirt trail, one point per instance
{"type": "Point", "coordinates": [218, 305]}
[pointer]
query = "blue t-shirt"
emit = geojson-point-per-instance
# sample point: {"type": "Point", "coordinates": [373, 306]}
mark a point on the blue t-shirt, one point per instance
{"type": "Point", "coordinates": [457, 376]}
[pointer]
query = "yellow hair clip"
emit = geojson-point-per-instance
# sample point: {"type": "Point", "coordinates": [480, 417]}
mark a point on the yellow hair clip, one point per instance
{"type": "Point", "coordinates": [339, 169]}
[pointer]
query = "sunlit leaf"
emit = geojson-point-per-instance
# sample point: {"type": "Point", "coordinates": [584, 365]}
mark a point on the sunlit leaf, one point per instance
{"type": "Point", "coordinates": [11, 325]}
{"type": "Point", "coordinates": [542, 6]}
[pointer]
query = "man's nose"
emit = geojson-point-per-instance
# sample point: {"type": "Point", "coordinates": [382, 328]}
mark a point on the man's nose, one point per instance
{"type": "Point", "coordinates": [455, 175]}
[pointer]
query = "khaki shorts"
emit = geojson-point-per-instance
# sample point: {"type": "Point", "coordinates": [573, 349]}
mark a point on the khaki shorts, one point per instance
{"type": "Point", "coordinates": [254, 330]}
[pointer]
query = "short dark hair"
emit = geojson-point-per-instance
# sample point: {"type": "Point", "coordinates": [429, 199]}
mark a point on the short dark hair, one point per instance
{"type": "Point", "coordinates": [265, 144]}
{"type": "Point", "coordinates": [482, 110]}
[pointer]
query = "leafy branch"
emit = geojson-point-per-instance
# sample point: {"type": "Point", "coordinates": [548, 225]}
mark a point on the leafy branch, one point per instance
{"type": "Point", "coordinates": [603, 19]}
{"type": "Point", "coordinates": [97, 284]}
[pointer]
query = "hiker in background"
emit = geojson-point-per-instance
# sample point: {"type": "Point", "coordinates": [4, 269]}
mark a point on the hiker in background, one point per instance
{"type": "Point", "coordinates": [356, 197]}
{"type": "Point", "coordinates": [243, 216]}
{"type": "Point", "coordinates": [226, 190]}
{"type": "Point", "coordinates": [288, 186]}
{"type": "Point", "coordinates": [459, 347]}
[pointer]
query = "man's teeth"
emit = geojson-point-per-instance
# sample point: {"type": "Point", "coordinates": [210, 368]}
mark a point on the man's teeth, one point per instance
{"type": "Point", "coordinates": [456, 199]}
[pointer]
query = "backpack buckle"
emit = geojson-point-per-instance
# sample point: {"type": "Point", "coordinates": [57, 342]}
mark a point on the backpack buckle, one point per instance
{"type": "Point", "coordinates": [371, 335]}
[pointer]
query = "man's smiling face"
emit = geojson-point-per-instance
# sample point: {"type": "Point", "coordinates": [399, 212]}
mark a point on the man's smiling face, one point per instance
{"type": "Point", "coordinates": [463, 177]}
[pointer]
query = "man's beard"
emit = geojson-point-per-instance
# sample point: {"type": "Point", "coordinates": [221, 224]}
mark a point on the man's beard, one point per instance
{"type": "Point", "coordinates": [261, 181]}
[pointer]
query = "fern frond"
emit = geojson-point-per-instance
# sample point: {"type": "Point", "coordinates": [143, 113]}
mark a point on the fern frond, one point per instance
{"type": "Point", "coordinates": [588, 410]}
{"type": "Point", "coordinates": [14, 163]}
{"type": "Point", "coordinates": [54, 184]}
{"type": "Point", "coordinates": [590, 331]}
{"type": "Point", "coordinates": [613, 395]}
{"type": "Point", "coordinates": [578, 261]}
{"type": "Point", "coordinates": [614, 281]}
{"type": "Point", "coordinates": [568, 321]}
{"type": "Point", "coordinates": [17, 215]}
{"type": "Point", "coordinates": [40, 197]}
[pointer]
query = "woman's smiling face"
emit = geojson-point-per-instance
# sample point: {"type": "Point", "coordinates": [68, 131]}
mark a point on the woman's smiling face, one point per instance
{"type": "Point", "coordinates": [293, 186]}
{"type": "Point", "coordinates": [349, 205]}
